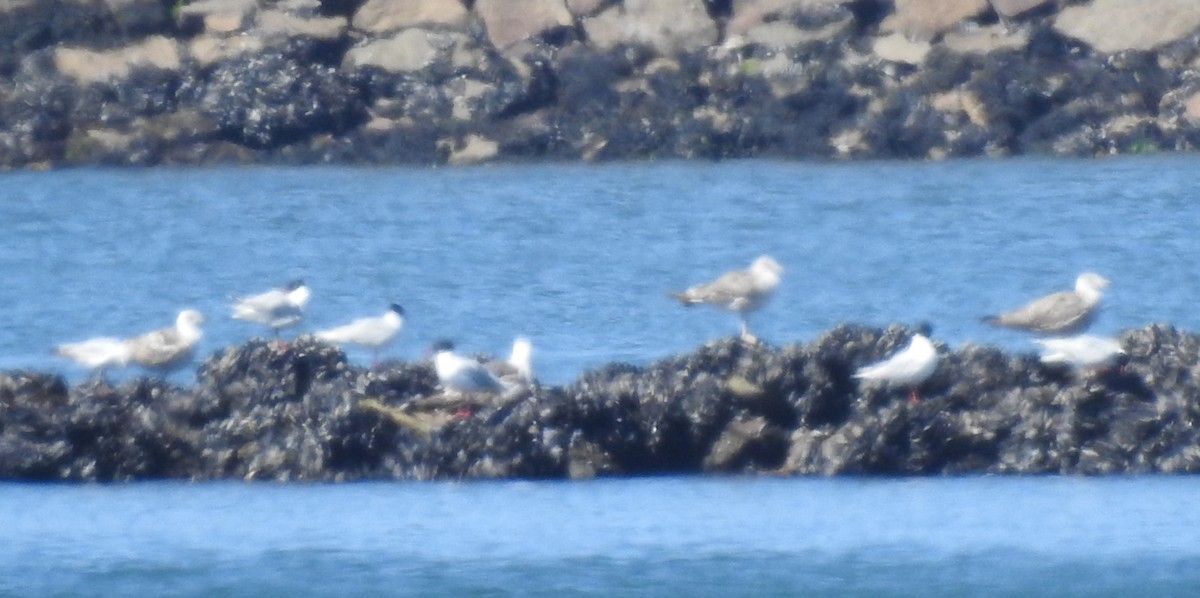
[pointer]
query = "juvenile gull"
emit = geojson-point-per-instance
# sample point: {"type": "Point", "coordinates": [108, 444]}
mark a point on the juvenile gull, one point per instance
{"type": "Point", "coordinates": [739, 291]}
{"type": "Point", "coordinates": [1083, 352]}
{"type": "Point", "coordinates": [277, 308]}
{"type": "Point", "coordinates": [97, 354]}
{"type": "Point", "coordinates": [1065, 312]}
{"type": "Point", "coordinates": [462, 375]}
{"type": "Point", "coordinates": [169, 348]}
{"type": "Point", "coordinates": [372, 333]}
{"type": "Point", "coordinates": [910, 367]}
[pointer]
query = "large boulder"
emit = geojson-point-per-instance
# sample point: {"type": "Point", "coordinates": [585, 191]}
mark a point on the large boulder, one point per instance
{"type": "Point", "coordinates": [925, 19]}
{"type": "Point", "coordinates": [415, 50]}
{"type": "Point", "coordinates": [668, 27]}
{"type": "Point", "coordinates": [1118, 25]}
{"type": "Point", "coordinates": [207, 50]}
{"type": "Point", "coordinates": [746, 15]}
{"type": "Point", "coordinates": [511, 21]}
{"type": "Point", "coordinates": [90, 66]}
{"type": "Point", "coordinates": [410, 50]}
{"type": "Point", "coordinates": [1016, 8]}
{"type": "Point", "coordinates": [217, 16]}
{"type": "Point", "coordinates": [987, 39]}
{"type": "Point", "coordinates": [384, 16]}
{"type": "Point", "coordinates": [284, 25]}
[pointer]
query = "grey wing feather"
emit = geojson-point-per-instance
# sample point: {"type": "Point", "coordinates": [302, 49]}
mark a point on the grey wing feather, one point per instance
{"type": "Point", "coordinates": [267, 301]}
{"type": "Point", "coordinates": [729, 287]}
{"type": "Point", "coordinates": [161, 348]}
{"type": "Point", "coordinates": [480, 378]}
{"type": "Point", "coordinates": [271, 308]}
{"type": "Point", "coordinates": [1060, 312]}
{"type": "Point", "coordinates": [285, 315]}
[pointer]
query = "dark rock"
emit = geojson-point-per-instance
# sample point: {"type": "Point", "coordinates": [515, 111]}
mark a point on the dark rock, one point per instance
{"type": "Point", "coordinates": [271, 99]}
{"type": "Point", "coordinates": [350, 81]}
{"type": "Point", "coordinates": [263, 411]}
{"type": "Point", "coordinates": [35, 121]}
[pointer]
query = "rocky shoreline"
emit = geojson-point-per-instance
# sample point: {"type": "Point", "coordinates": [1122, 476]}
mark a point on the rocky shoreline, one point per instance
{"type": "Point", "coordinates": [302, 413]}
{"type": "Point", "coordinates": [147, 82]}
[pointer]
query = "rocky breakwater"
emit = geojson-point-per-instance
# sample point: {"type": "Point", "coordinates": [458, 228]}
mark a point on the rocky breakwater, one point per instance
{"type": "Point", "coordinates": [259, 412]}
{"type": "Point", "coordinates": [462, 81]}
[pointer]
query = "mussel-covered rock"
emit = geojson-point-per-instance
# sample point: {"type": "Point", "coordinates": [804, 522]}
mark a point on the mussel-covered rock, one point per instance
{"type": "Point", "coordinates": [268, 411]}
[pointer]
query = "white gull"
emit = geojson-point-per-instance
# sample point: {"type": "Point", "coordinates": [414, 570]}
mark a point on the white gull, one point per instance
{"type": "Point", "coordinates": [373, 332]}
{"type": "Point", "coordinates": [97, 354]}
{"type": "Point", "coordinates": [909, 367]}
{"type": "Point", "coordinates": [462, 375]}
{"type": "Point", "coordinates": [277, 308]}
{"type": "Point", "coordinates": [1083, 352]}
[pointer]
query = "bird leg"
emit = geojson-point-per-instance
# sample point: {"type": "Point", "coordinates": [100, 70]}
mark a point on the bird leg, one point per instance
{"type": "Point", "coordinates": [101, 376]}
{"type": "Point", "coordinates": [279, 344]}
{"type": "Point", "coordinates": [913, 397]}
{"type": "Point", "coordinates": [746, 336]}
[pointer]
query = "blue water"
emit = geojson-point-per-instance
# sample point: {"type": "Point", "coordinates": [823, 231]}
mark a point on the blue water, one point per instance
{"type": "Point", "coordinates": [579, 257]}
{"type": "Point", "coordinates": [648, 537]}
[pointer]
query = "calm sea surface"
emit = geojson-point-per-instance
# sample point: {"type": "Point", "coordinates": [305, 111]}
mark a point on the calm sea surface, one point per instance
{"type": "Point", "coordinates": [579, 259]}
{"type": "Point", "coordinates": [649, 537]}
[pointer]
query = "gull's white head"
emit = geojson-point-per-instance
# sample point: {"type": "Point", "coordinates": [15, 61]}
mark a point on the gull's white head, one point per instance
{"type": "Point", "coordinates": [766, 271]}
{"type": "Point", "coordinates": [188, 325]}
{"type": "Point", "coordinates": [189, 318]}
{"type": "Point", "coordinates": [1092, 281]}
{"type": "Point", "coordinates": [767, 264]}
{"type": "Point", "coordinates": [1089, 286]}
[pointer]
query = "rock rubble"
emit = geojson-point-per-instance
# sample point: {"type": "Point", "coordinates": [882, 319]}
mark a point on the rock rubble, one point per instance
{"type": "Point", "coordinates": [145, 82]}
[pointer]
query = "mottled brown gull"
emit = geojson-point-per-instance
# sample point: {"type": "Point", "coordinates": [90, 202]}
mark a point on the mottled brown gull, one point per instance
{"type": "Point", "coordinates": [739, 291]}
{"type": "Point", "coordinates": [169, 348]}
{"type": "Point", "coordinates": [1065, 312]}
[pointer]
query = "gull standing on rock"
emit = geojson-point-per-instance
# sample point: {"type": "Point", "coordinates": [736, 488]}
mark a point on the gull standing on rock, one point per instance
{"type": "Point", "coordinates": [372, 333]}
{"type": "Point", "coordinates": [277, 308]}
{"type": "Point", "coordinates": [462, 375]}
{"type": "Point", "coordinates": [910, 367]}
{"type": "Point", "coordinates": [170, 348]}
{"type": "Point", "coordinates": [739, 291]}
{"type": "Point", "coordinates": [1082, 353]}
{"type": "Point", "coordinates": [1065, 312]}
